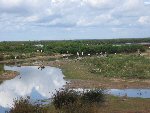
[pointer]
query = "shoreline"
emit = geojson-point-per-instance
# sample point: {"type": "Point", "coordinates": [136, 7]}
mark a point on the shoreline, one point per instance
{"type": "Point", "coordinates": [7, 75]}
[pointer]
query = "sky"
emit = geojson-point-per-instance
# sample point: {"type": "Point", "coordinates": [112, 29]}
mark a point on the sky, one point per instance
{"type": "Point", "coordinates": [73, 19]}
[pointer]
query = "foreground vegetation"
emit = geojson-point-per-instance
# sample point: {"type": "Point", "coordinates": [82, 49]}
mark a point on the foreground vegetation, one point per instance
{"type": "Point", "coordinates": [67, 101]}
{"type": "Point", "coordinates": [94, 101]}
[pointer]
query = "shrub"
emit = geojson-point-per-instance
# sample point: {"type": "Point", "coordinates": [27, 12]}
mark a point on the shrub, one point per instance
{"type": "Point", "coordinates": [93, 96]}
{"type": "Point", "coordinates": [65, 98]}
{"type": "Point", "coordinates": [24, 106]}
{"type": "Point", "coordinates": [69, 101]}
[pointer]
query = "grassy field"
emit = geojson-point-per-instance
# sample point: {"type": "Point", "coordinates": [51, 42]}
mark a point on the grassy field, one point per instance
{"type": "Point", "coordinates": [114, 66]}
{"type": "Point", "coordinates": [120, 66]}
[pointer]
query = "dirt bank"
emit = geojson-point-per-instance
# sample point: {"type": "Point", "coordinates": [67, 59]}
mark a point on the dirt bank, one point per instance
{"type": "Point", "coordinates": [8, 75]}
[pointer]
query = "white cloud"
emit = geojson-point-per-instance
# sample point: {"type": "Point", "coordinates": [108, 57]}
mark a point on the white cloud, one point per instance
{"type": "Point", "coordinates": [144, 20]}
{"type": "Point", "coordinates": [23, 14]}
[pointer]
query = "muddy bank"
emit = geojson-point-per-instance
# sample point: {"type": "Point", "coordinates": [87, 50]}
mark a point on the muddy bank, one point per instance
{"type": "Point", "coordinates": [8, 75]}
{"type": "Point", "coordinates": [111, 84]}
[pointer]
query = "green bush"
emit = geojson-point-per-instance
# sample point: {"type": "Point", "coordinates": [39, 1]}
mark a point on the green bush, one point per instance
{"type": "Point", "coordinates": [93, 96]}
{"type": "Point", "coordinates": [69, 101]}
{"type": "Point", "coordinates": [65, 98]}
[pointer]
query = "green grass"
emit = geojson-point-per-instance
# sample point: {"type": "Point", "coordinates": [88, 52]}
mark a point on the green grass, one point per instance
{"type": "Point", "coordinates": [122, 66]}
{"type": "Point", "coordinates": [114, 66]}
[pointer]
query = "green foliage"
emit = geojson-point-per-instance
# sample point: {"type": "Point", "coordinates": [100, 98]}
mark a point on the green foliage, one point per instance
{"type": "Point", "coordinates": [64, 98]}
{"type": "Point", "coordinates": [93, 96]}
{"type": "Point", "coordinates": [86, 46]}
{"type": "Point", "coordinates": [69, 101]}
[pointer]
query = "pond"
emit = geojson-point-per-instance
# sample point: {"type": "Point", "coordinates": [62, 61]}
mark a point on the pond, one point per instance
{"type": "Point", "coordinates": [36, 83]}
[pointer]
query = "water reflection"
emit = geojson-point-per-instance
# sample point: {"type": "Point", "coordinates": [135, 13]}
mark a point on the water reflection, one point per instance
{"type": "Point", "coordinates": [38, 84]}
{"type": "Point", "coordinates": [136, 93]}
{"type": "Point", "coordinates": [141, 93]}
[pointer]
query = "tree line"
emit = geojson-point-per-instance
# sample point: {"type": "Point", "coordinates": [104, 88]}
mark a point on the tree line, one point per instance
{"type": "Point", "coordinates": [72, 47]}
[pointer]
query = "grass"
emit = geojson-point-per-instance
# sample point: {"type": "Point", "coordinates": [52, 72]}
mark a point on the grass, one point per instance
{"type": "Point", "coordinates": [129, 105]}
{"type": "Point", "coordinates": [114, 66]}
{"type": "Point", "coordinates": [120, 66]}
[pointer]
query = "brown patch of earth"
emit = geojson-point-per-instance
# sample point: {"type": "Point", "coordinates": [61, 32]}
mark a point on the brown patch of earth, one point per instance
{"type": "Point", "coordinates": [110, 84]}
{"type": "Point", "coordinates": [8, 75]}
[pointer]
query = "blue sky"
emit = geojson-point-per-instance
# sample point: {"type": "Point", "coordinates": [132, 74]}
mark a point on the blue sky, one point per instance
{"type": "Point", "coordinates": [73, 19]}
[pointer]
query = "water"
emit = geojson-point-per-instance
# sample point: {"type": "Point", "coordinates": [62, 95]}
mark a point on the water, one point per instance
{"type": "Point", "coordinates": [135, 93]}
{"type": "Point", "coordinates": [138, 93]}
{"type": "Point", "coordinates": [36, 83]}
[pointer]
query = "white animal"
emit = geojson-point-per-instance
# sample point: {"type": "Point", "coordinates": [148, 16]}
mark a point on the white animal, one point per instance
{"type": "Point", "coordinates": [78, 53]}
{"type": "Point", "coordinates": [82, 53]}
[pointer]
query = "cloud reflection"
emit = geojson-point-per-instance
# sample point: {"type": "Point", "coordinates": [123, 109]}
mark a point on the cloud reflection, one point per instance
{"type": "Point", "coordinates": [39, 84]}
